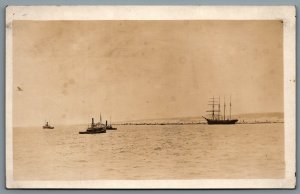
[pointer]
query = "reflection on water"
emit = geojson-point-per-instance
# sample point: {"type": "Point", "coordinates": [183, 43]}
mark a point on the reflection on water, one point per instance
{"type": "Point", "coordinates": [150, 152]}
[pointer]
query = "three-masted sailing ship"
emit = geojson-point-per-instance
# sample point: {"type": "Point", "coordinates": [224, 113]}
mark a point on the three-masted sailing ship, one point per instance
{"type": "Point", "coordinates": [215, 114]}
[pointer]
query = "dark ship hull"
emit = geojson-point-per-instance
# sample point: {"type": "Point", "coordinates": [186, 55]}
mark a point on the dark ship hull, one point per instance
{"type": "Point", "coordinates": [111, 128]}
{"type": "Point", "coordinates": [221, 122]}
{"type": "Point", "coordinates": [93, 131]}
{"type": "Point", "coordinates": [48, 127]}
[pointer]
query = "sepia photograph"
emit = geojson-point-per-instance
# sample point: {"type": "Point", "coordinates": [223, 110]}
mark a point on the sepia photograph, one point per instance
{"type": "Point", "coordinates": [150, 97]}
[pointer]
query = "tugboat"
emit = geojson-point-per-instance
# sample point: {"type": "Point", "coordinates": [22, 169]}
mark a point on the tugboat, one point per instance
{"type": "Point", "coordinates": [94, 128]}
{"type": "Point", "coordinates": [47, 126]}
{"type": "Point", "coordinates": [216, 118]}
{"type": "Point", "coordinates": [110, 127]}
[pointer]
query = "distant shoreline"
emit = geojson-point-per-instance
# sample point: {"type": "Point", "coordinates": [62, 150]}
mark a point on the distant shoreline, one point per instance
{"type": "Point", "coordinates": [199, 123]}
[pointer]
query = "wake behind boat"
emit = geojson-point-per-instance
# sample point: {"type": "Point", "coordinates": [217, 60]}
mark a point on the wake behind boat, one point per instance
{"type": "Point", "coordinates": [216, 117]}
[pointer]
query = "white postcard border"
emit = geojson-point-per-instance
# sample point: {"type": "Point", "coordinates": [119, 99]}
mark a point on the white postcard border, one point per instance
{"type": "Point", "coordinates": [285, 13]}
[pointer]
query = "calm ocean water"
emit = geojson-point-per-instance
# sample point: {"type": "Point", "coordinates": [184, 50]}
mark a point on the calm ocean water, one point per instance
{"type": "Point", "coordinates": [150, 152]}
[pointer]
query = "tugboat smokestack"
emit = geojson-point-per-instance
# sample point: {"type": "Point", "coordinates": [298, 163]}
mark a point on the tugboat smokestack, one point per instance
{"type": "Point", "coordinates": [106, 123]}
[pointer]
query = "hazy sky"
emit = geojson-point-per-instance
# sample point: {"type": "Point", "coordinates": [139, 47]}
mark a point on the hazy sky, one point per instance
{"type": "Point", "coordinates": [70, 71]}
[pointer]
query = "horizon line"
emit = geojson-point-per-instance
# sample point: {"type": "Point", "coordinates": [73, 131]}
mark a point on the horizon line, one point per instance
{"type": "Point", "coordinates": [122, 121]}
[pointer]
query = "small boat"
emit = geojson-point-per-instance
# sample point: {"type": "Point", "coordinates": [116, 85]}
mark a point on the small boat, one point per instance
{"type": "Point", "coordinates": [47, 126]}
{"type": "Point", "coordinates": [216, 117]}
{"type": "Point", "coordinates": [94, 128]}
{"type": "Point", "coordinates": [110, 127]}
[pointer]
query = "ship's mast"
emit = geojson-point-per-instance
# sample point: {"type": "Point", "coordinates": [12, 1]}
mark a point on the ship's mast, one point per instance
{"type": "Point", "coordinates": [213, 110]}
{"type": "Point", "coordinates": [230, 109]}
{"type": "Point", "coordinates": [219, 109]}
{"type": "Point", "coordinates": [100, 119]}
{"type": "Point", "coordinates": [214, 103]}
{"type": "Point", "coordinates": [224, 107]}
